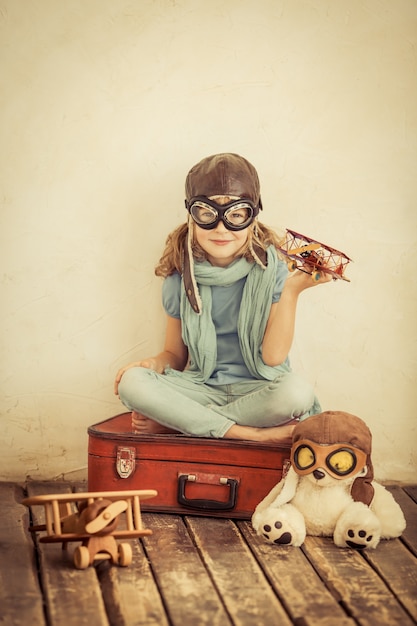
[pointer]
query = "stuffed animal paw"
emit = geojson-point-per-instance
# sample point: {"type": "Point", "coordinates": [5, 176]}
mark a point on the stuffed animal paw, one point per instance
{"type": "Point", "coordinates": [358, 527]}
{"type": "Point", "coordinates": [284, 525]}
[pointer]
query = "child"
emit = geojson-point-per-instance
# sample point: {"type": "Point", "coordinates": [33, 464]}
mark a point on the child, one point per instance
{"type": "Point", "coordinates": [231, 306]}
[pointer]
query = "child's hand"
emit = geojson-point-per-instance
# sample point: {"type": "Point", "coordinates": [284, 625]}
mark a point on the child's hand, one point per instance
{"type": "Point", "coordinates": [300, 280]}
{"type": "Point", "coordinates": [151, 364]}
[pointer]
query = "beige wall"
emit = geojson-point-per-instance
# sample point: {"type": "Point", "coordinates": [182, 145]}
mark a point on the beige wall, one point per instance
{"type": "Point", "coordinates": [105, 104]}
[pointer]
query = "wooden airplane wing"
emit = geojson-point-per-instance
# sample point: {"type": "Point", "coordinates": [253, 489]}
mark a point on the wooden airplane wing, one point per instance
{"type": "Point", "coordinates": [60, 506]}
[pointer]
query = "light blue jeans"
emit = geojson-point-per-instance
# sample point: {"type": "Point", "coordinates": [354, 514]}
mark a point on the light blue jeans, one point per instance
{"type": "Point", "coordinates": [210, 410]}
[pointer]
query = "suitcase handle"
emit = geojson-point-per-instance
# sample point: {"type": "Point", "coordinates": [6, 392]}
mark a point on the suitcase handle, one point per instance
{"type": "Point", "coordinates": [215, 505]}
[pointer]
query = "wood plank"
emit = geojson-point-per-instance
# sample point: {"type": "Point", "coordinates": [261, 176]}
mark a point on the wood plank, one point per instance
{"type": "Point", "coordinates": [73, 597]}
{"type": "Point", "coordinates": [130, 593]}
{"type": "Point", "coordinates": [246, 592]}
{"type": "Point", "coordinates": [397, 567]}
{"type": "Point", "coordinates": [411, 490]}
{"type": "Point", "coordinates": [348, 575]}
{"type": "Point", "coordinates": [295, 581]}
{"type": "Point", "coordinates": [21, 598]}
{"type": "Point", "coordinates": [184, 583]}
{"type": "Point", "coordinates": [409, 508]}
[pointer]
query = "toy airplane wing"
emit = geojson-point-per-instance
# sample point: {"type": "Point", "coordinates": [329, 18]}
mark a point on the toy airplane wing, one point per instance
{"type": "Point", "coordinates": [58, 506]}
{"type": "Point", "coordinates": [312, 256]}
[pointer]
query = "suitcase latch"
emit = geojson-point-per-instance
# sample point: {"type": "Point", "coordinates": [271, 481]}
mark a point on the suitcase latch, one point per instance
{"type": "Point", "coordinates": [125, 461]}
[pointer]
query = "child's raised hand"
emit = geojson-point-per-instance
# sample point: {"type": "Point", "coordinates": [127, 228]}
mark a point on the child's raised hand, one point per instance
{"type": "Point", "coordinates": [300, 280]}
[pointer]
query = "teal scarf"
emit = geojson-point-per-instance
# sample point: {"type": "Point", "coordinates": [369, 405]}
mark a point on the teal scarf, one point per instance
{"type": "Point", "coordinates": [198, 331]}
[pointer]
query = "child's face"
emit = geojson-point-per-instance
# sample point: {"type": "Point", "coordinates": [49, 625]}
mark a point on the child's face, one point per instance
{"type": "Point", "coordinates": [221, 245]}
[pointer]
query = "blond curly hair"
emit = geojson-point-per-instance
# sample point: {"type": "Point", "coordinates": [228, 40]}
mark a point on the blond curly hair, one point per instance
{"type": "Point", "coordinates": [171, 259]}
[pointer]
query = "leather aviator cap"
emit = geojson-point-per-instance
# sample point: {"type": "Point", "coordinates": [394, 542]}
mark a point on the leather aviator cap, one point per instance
{"type": "Point", "coordinates": [225, 174]}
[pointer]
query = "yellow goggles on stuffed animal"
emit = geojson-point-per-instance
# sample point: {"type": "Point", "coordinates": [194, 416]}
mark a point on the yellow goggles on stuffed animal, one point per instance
{"type": "Point", "coordinates": [339, 459]}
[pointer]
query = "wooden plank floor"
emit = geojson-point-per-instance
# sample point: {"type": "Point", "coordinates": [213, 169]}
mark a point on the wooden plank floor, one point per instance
{"type": "Point", "coordinates": [204, 571]}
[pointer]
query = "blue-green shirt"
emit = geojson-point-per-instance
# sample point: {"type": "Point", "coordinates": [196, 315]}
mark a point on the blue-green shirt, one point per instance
{"type": "Point", "coordinates": [230, 367]}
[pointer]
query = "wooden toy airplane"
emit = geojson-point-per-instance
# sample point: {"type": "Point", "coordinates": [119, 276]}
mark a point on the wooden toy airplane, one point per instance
{"type": "Point", "coordinates": [313, 257]}
{"type": "Point", "coordinates": [94, 523]}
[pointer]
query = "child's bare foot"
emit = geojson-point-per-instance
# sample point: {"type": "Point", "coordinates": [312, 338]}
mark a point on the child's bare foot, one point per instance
{"type": "Point", "coordinates": [281, 435]}
{"type": "Point", "coordinates": [143, 425]}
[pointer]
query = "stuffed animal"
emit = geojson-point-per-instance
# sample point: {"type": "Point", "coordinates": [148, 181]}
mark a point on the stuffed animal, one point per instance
{"type": "Point", "coordinates": [329, 489]}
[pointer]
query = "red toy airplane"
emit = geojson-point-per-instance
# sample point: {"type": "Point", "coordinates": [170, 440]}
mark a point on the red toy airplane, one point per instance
{"type": "Point", "coordinates": [313, 257]}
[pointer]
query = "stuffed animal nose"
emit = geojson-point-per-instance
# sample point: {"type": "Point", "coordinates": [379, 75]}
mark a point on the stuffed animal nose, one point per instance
{"type": "Point", "coordinates": [318, 474]}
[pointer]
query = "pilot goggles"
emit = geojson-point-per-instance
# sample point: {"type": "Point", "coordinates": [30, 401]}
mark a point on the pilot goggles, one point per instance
{"type": "Point", "coordinates": [235, 215]}
{"type": "Point", "coordinates": [338, 459]}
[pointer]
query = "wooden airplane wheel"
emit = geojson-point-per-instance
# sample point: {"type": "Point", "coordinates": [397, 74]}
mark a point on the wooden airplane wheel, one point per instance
{"type": "Point", "coordinates": [125, 554]}
{"type": "Point", "coordinates": [316, 276]}
{"type": "Point", "coordinates": [81, 557]}
{"type": "Point", "coordinates": [292, 266]}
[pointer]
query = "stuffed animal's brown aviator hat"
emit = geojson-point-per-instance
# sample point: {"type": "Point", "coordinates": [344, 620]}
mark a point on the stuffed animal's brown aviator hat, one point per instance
{"type": "Point", "coordinates": [338, 427]}
{"type": "Point", "coordinates": [225, 174]}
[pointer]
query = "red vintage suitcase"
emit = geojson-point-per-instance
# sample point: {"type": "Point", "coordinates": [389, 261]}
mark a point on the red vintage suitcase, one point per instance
{"type": "Point", "coordinates": [198, 476]}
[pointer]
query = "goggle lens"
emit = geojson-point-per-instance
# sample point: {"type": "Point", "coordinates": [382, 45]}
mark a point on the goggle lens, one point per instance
{"type": "Point", "coordinates": [339, 460]}
{"type": "Point", "coordinates": [235, 215]}
{"type": "Point", "coordinates": [304, 457]}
